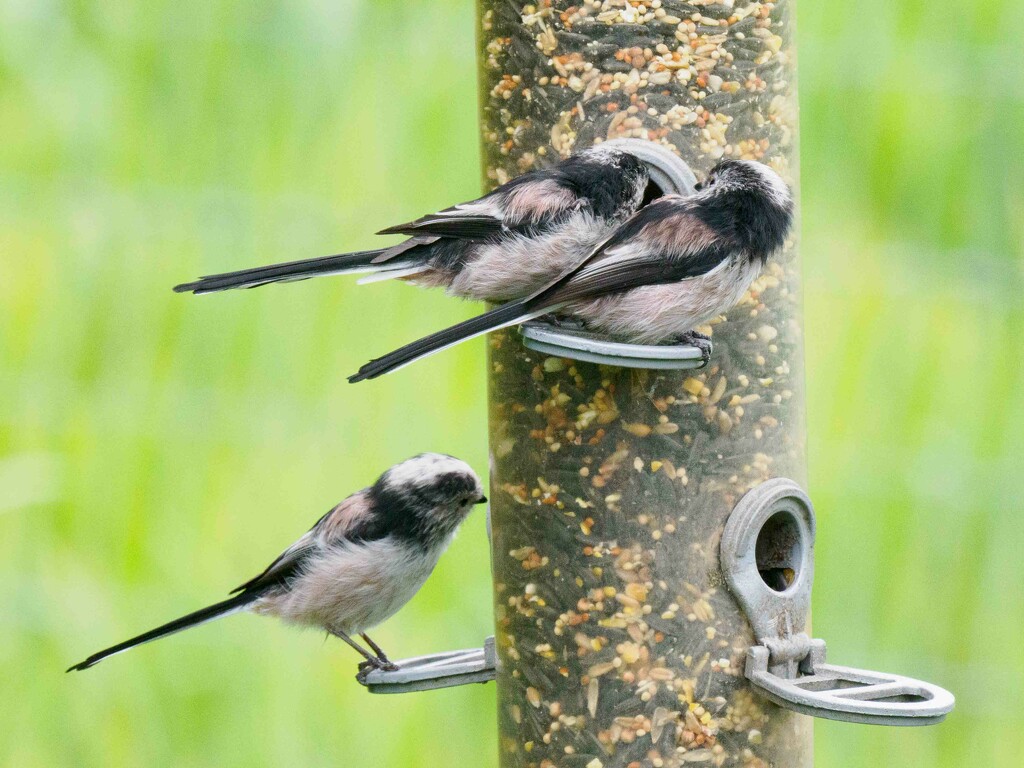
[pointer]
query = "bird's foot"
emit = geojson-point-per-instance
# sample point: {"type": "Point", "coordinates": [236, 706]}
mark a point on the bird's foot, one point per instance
{"type": "Point", "coordinates": [369, 665]}
{"type": "Point", "coordinates": [564, 322]}
{"type": "Point", "coordinates": [698, 340]}
{"type": "Point", "coordinates": [382, 658]}
{"type": "Point", "coordinates": [382, 663]}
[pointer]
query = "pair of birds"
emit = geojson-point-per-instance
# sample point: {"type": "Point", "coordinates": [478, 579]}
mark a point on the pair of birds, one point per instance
{"type": "Point", "coordinates": [574, 240]}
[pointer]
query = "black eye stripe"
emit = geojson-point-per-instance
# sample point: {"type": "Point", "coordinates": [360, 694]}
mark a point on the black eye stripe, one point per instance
{"type": "Point", "coordinates": [422, 512]}
{"type": "Point", "coordinates": [452, 485]}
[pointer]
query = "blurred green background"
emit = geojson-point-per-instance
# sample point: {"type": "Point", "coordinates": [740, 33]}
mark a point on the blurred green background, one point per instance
{"type": "Point", "coordinates": [156, 449]}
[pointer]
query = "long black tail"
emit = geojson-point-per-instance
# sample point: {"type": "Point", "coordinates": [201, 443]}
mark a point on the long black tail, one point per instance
{"type": "Point", "coordinates": [507, 314]}
{"type": "Point", "coordinates": [292, 270]}
{"type": "Point", "coordinates": [193, 619]}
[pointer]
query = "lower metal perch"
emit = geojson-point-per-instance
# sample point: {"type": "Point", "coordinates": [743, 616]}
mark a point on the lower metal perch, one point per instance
{"type": "Point", "coordinates": [434, 671]}
{"type": "Point", "coordinates": [847, 693]}
{"type": "Point", "coordinates": [770, 533]}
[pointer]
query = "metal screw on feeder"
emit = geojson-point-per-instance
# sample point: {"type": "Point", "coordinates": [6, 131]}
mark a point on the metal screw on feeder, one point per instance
{"type": "Point", "coordinates": [671, 175]}
{"type": "Point", "coordinates": [767, 555]}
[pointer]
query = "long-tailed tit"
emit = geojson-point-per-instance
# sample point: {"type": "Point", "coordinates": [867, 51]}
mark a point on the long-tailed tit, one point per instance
{"type": "Point", "coordinates": [673, 265]}
{"type": "Point", "coordinates": [502, 246]}
{"type": "Point", "coordinates": [359, 564]}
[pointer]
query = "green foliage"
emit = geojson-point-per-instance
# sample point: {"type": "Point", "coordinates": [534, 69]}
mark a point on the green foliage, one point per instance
{"type": "Point", "coordinates": [157, 449]}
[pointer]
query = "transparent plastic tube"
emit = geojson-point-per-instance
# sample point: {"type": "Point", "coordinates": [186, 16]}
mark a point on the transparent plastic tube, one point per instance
{"type": "Point", "coordinates": [619, 643]}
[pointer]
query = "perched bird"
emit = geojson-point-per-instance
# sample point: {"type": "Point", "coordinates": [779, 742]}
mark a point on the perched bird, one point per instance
{"type": "Point", "coordinates": [674, 264]}
{"type": "Point", "coordinates": [504, 245]}
{"type": "Point", "coordinates": [359, 564]}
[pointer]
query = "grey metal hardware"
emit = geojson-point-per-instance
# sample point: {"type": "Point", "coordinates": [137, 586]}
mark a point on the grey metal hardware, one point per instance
{"type": "Point", "coordinates": [673, 176]}
{"type": "Point", "coordinates": [593, 348]}
{"type": "Point", "coordinates": [846, 693]}
{"type": "Point", "coordinates": [767, 555]}
{"type": "Point", "coordinates": [436, 670]}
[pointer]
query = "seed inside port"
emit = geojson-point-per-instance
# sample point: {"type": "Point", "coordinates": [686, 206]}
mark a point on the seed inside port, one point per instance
{"type": "Point", "coordinates": [779, 551]}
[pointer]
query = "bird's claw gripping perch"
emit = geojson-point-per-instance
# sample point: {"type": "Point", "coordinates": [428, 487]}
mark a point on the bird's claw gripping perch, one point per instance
{"type": "Point", "coordinates": [564, 322]}
{"type": "Point", "coordinates": [367, 666]}
{"type": "Point", "coordinates": [700, 341]}
{"type": "Point", "coordinates": [378, 663]}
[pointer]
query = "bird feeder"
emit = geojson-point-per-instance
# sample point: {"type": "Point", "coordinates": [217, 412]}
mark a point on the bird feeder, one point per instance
{"type": "Point", "coordinates": [652, 544]}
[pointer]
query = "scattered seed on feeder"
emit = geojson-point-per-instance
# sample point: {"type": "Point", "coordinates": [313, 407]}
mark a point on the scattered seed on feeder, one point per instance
{"type": "Point", "coordinates": [646, 647]}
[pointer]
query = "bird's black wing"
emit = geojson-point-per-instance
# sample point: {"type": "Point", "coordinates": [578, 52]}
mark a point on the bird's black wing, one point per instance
{"type": "Point", "coordinates": [288, 563]}
{"type": "Point", "coordinates": [452, 222]}
{"type": "Point", "coordinates": [340, 521]}
{"type": "Point", "coordinates": [661, 243]}
{"type": "Point", "coordinates": [349, 520]}
{"type": "Point", "coordinates": [285, 567]}
{"type": "Point", "coordinates": [524, 203]}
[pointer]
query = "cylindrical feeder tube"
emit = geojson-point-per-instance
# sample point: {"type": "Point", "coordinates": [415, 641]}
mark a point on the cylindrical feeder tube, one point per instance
{"type": "Point", "coordinates": [619, 643]}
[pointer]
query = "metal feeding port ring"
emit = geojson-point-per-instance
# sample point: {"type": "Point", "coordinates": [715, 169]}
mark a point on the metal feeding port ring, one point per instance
{"type": "Point", "coordinates": [767, 554]}
{"type": "Point", "coordinates": [667, 170]}
{"type": "Point", "coordinates": [671, 175]}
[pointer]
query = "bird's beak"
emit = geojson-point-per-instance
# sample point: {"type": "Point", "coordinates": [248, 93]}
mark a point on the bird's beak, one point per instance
{"type": "Point", "coordinates": [481, 500]}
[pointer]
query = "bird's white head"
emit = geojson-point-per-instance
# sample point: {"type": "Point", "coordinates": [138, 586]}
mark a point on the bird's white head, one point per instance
{"type": "Point", "coordinates": [746, 176]}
